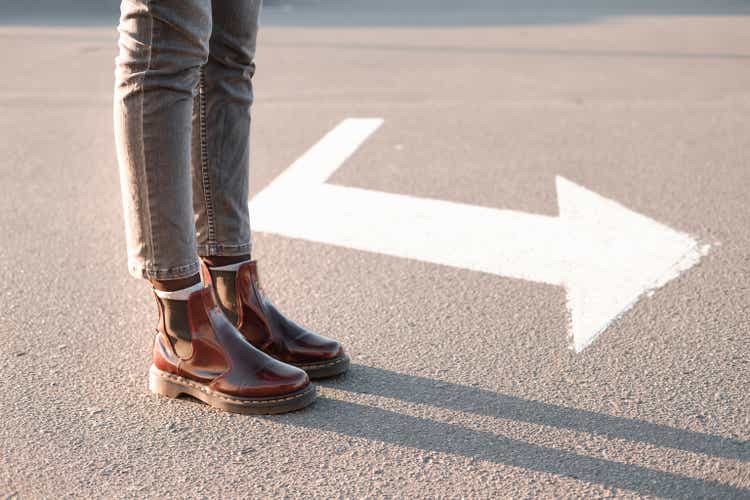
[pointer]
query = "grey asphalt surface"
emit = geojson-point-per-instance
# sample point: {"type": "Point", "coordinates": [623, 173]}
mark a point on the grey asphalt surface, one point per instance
{"type": "Point", "coordinates": [463, 384]}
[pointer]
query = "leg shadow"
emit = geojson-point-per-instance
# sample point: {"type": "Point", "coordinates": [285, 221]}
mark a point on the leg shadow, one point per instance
{"type": "Point", "coordinates": [360, 421]}
{"type": "Point", "coordinates": [420, 390]}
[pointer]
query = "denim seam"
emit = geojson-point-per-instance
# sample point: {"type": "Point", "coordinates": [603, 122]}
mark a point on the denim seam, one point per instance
{"type": "Point", "coordinates": [205, 177]}
{"type": "Point", "coordinates": [148, 216]}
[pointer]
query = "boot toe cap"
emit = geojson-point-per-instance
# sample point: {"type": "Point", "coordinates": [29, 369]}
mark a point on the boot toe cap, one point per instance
{"type": "Point", "coordinates": [273, 380]}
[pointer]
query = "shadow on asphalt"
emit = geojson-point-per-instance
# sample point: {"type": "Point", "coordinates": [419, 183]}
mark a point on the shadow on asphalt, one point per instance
{"type": "Point", "coordinates": [393, 13]}
{"type": "Point", "coordinates": [377, 424]}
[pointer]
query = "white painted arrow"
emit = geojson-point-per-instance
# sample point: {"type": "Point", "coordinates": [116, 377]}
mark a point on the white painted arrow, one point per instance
{"type": "Point", "coordinates": [605, 255]}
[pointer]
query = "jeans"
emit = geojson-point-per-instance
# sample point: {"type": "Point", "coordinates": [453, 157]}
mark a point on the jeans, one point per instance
{"type": "Point", "coordinates": [182, 101]}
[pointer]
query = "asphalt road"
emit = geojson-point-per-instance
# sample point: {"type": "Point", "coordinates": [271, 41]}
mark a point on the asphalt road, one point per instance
{"type": "Point", "coordinates": [463, 383]}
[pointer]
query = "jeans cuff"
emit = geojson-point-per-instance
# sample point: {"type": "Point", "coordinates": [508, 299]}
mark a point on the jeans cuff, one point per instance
{"type": "Point", "coordinates": [141, 270]}
{"type": "Point", "coordinates": [222, 250]}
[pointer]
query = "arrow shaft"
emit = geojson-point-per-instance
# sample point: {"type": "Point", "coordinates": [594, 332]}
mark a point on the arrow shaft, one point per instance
{"type": "Point", "coordinates": [328, 154]}
{"type": "Point", "coordinates": [504, 242]}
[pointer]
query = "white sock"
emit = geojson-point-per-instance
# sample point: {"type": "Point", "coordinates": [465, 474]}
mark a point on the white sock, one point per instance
{"type": "Point", "coordinates": [230, 267]}
{"type": "Point", "coordinates": [181, 294]}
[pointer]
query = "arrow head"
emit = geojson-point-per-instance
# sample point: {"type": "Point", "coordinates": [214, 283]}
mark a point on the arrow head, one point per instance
{"type": "Point", "coordinates": [617, 255]}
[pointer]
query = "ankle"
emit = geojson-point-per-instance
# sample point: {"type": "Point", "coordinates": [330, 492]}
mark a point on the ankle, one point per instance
{"type": "Point", "coordinates": [225, 260]}
{"type": "Point", "coordinates": [222, 274]}
{"type": "Point", "coordinates": [225, 288]}
{"type": "Point", "coordinates": [173, 317]}
{"type": "Point", "coordinates": [175, 284]}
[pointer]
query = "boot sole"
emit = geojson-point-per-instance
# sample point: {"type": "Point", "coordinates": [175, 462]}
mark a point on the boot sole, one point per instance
{"type": "Point", "coordinates": [173, 386]}
{"type": "Point", "coordinates": [325, 369]}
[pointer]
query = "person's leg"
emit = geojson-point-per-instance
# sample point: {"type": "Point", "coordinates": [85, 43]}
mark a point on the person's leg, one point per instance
{"type": "Point", "coordinates": [221, 141]}
{"type": "Point", "coordinates": [221, 150]}
{"type": "Point", "coordinates": [163, 45]}
{"type": "Point", "coordinates": [221, 134]}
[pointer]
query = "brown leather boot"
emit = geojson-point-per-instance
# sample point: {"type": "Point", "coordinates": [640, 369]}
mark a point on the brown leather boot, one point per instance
{"type": "Point", "coordinates": [223, 369]}
{"type": "Point", "coordinates": [270, 331]}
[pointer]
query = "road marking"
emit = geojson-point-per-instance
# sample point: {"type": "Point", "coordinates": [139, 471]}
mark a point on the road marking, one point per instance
{"type": "Point", "coordinates": [605, 255]}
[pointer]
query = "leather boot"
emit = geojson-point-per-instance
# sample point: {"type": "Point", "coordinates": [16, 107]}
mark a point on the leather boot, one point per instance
{"type": "Point", "coordinates": [223, 369]}
{"type": "Point", "coordinates": [270, 331]}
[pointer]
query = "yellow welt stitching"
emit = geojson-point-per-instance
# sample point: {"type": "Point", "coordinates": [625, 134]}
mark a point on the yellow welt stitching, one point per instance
{"type": "Point", "coordinates": [341, 360]}
{"type": "Point", "coordinates": [208, 391]}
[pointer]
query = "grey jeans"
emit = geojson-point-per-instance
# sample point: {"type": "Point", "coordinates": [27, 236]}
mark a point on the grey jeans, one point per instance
{"type": "Point", "coordinates": [182, 102]}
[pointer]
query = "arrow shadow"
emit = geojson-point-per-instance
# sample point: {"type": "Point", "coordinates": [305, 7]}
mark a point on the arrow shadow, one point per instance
{"type": "Point", "coordinates": [362, 421]}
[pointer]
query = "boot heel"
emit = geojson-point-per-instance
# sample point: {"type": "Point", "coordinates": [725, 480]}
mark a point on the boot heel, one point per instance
{"type": "Point", "coordinates": [160, 385]}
